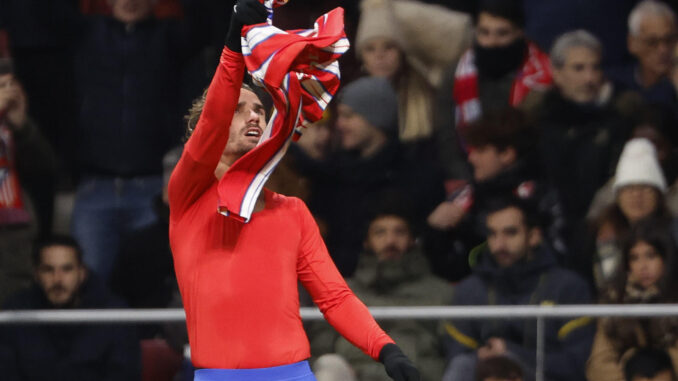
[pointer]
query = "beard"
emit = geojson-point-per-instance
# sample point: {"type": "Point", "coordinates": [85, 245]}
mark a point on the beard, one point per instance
{"type": "Point", "coordinates": [58, 296]}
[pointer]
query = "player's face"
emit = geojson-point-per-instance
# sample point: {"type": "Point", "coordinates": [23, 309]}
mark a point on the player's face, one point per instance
{"type": "Point", "coordinates": [247, 125]}
{"type": "Point", "coordinates": [59, 274]}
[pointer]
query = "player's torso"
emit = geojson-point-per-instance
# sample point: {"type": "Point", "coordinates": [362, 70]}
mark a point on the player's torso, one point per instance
{"type": "Point", "coordinates": [239, 281]}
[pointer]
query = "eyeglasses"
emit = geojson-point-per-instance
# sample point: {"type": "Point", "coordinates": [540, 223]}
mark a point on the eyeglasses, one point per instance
{"type": "Point", "coordinates": [654, 42]}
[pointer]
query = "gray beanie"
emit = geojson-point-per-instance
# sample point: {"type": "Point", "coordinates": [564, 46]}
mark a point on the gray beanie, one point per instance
{"type": "Point", "coordinates": [374, 99]}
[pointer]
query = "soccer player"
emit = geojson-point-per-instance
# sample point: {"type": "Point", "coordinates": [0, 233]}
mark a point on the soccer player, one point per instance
{"type": "Point", "coordinates": [239, 280]}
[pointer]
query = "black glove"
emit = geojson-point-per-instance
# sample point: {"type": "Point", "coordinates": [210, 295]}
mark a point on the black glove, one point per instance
{"type": "Point", "coordinates": [245, 12]}
{"type": "Point", "coordinates": [397, 365]}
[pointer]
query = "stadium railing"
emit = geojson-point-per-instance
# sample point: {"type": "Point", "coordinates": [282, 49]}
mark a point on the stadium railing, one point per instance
{"type": "Point", "coordinates": [540, 313]}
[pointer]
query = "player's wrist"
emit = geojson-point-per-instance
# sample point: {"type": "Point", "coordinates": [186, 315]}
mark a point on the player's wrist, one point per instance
{"type": "Point", "coordinates": [233, 36]}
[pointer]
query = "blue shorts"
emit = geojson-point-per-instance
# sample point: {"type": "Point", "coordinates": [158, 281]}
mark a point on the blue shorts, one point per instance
{"type": "Point", "coordinates": [299, 371]}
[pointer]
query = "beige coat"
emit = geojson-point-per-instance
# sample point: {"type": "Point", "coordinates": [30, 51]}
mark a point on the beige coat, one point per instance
{"type": "Point", "coordinates": [606, 360]}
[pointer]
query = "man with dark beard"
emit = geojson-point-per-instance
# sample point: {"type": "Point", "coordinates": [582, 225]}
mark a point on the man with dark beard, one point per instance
{"type": "Point", "coordinates": [517, 267]}
{"type": "Point", "coordinates": [501, 68]}
{"type": "Point", "coordinates": [66, 352]}
{"type": "Point", "coordinates": [392, 271]}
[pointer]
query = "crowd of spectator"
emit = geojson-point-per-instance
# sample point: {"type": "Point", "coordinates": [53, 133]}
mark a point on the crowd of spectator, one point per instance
{"type": "Point", "coordinates": [479, 152]}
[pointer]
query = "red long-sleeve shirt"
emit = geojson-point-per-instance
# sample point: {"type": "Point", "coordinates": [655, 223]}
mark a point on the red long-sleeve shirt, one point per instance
{"type": "Point", "coordinates": [239, 281]}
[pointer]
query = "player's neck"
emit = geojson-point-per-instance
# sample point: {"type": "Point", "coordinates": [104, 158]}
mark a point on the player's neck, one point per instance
{"type": "Point", "coordinates": [220, 170]}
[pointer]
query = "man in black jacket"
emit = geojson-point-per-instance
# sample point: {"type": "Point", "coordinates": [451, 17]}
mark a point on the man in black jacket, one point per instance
{"type": "Point", "coordinates": [582, 122]}
{"type": "Point", "coordinates": [66, 352]}
{"type": "Point", "coordinates": [516, 267]}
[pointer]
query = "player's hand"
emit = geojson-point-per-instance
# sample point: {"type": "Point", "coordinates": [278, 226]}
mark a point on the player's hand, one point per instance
{"type": "Point", "coordinates": [245, 12]}
{"type": "Point", "coordinates": [397, 365]}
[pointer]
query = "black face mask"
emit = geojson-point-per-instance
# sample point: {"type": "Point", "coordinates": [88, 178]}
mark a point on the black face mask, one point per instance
{"type": "Point", "coordinates": [499, 61]}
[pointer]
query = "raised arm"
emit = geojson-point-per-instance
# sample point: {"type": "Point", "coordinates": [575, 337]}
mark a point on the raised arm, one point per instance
{"type": "Point", "coordinates": [195, 171]}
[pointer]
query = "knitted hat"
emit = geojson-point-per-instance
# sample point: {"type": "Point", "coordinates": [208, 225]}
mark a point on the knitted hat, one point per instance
{"type": "Point", "coordinates": [377, 19]}
{"type": "Point", "coordinates": [638, 164]}
{"type": "Point", "coordinates": [374, 99]}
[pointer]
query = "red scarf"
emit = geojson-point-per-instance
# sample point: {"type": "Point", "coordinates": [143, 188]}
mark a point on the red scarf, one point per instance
{"type": "Point", "coordinates": [535, 74]}
{"type": "Point", "coordinates": [12, 209]}
{"type": "Point", "coordinates": [300, 70]}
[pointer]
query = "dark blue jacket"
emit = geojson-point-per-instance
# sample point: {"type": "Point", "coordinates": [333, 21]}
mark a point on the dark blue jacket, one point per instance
{"type": "Point", "coordinates": [538, 281]}
{"type": "Point", "coordinates": [68, 352]}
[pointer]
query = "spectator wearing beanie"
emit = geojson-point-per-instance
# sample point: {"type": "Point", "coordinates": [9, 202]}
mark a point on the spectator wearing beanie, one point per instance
{"type": "Point", "coordinates": [368, 163]}
{"type": "Point", "coordinates": [393, 42]}
{"type": "Point", "coordinates": [639, 187]}
{"type": "Point", "coordinates": [655, 124]}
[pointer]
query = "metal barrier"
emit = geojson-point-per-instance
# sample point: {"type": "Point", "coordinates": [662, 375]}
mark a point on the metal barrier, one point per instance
{"type": "Point", "coordinates": [128, 316]}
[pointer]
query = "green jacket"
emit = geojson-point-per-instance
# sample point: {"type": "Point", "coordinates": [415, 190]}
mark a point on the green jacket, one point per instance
{"type": "Point", "coordinates": [405, 282]}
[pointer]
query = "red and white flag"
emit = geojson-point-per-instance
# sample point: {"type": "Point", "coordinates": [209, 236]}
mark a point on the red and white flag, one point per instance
{"type": "Point", "coordinates": [299, 69]}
